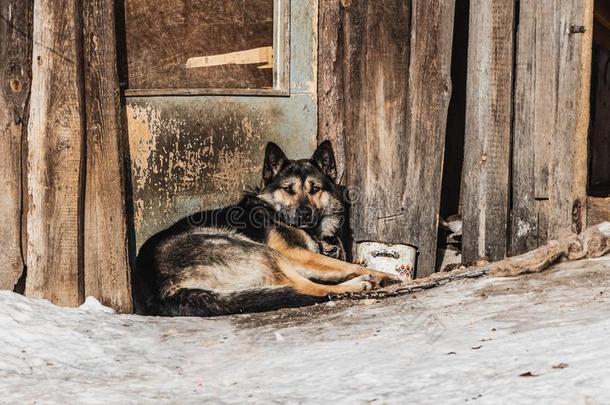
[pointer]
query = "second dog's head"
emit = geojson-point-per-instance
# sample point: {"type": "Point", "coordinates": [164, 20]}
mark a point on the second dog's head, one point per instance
{"type": "Point", "coordinates": [303, 192]}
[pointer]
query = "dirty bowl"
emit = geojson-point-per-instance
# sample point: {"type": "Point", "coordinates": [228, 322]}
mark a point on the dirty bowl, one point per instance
{"type": "Point", "coordinates": [395, 259]}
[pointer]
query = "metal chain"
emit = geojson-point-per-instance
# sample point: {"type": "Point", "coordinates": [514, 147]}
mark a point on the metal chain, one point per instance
{"type": "Point", "coordinates": [437, 282]}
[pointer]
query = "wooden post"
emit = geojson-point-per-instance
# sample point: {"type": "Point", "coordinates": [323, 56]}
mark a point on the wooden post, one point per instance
{"type": "Point", "coordinates": [397, 87]}
{"type": "Point", "coordinates": [551, 121]}
{"type": "Point", "coordinates": [55, 155]}
{"type": "Point", "coordinates": [429, 96]}
{"type": "Point", "coordinates": [485, 194]}
{"type": "Point", "coordinates": [15, 68]}
{"type": "Point", "coordinates": [330, 79]}
{"type": "Point", "coordinates": [377, 55]}
{"type": "Point", "coordinates": [106, 270]}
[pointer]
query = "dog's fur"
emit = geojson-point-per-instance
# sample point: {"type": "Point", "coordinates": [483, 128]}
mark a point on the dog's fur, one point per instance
{"type": "Point", "coordinates": [259, 254]}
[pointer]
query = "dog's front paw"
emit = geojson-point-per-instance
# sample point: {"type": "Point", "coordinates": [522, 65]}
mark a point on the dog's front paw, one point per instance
{"type": "Point", "coordinates": [381, 279]}
{"type": "Point", "coordinates": [365, 285]}
{"type": "Point", "coordinates": [360, 283]}
{"type": "Point", "coordinates": [358, 279]}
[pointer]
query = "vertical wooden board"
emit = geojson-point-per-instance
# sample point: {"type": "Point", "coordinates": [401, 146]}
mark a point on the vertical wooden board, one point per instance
{"type": "Point", "coordinates": [533, 58]}
{"type": "Point", "coordinates": [330, 79]}
{"type": "Point", "coordinates": [397, 88]}
{"type": "Point", "coordinates": [488, 129]}
{"type": "Point", "coordinates": [15, 68]}
{"type": "Point", "coordinates": [106, 263]}
{"type": "Point", "coordinates": [429, 96]}
{"type": "Point", "coordinates": [54, 158]}
{"type": "Point", "coordinates": [567, 210]}
{"type": "Point", "coordinates": [545, 107]}
{"type": "Point", "coordinates": [598, 210]}
{"type": "Point", "coordinates": [376, 68]}
{"type": "Point", "coordinates": [551, 120]}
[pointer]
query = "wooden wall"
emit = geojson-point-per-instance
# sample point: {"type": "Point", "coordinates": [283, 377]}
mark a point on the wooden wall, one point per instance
{"type": "Point", "coordinates": [485, 191]}
{"type": "Point", "coordinates": [384, 93]}
{"type": "Point", "coordinates": [553, 74]}
{"type": "Point", "coordinates": [105, 245]}
{"type": "Point", "coordinates": [381, 94]}
{"type": "Point", "coordinates": [67, 223]}
{"type": "Point", "coordinates": [525, 165]}
{"type": "Point", "coordinates": [15, 79]}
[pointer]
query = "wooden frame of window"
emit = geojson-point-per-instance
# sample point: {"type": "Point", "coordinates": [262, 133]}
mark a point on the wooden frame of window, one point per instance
{"type": "Point", "coordinates": [281, 66]}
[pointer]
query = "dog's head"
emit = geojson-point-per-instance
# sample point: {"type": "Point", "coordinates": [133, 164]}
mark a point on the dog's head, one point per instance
{"type": "Point", "coordinates": [303, 192]}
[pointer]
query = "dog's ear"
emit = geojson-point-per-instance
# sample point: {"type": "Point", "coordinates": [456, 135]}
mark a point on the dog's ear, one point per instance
{"type": "Point", "coordinates": [275, 160]}
{"type": "Point", "coordinates": [324, 158]}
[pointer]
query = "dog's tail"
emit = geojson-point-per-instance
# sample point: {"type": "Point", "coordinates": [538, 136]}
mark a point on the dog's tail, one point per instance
{"type": "Point", "coordinates": [195, 302]}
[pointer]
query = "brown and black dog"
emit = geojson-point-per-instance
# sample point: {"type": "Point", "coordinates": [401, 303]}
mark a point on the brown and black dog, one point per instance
{"type": "Point", "coordinates": [259, 254]}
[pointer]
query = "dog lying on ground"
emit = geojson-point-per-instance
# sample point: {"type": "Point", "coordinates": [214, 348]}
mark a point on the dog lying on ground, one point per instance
{"type": "Point", "coordinates": [259, 254]}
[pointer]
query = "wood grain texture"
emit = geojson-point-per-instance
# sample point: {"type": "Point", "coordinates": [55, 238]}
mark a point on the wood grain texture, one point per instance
{"type": "Point", "coordinates": [15, 76]}
{"type": "Point", "coordinates": [488, 129]}
{"type": "Point", "coordinates": [106, 263]}
{"type": "Point", "coordinates": [330, 79]}
{"type": "Point", "coordinates": [162, 35]}
{"type": "Point", "coordinates": [551, 121]}
{"type": "Point", "coordinates": [429, 96]}
{"type": "Point", "coordinates": [598, 210]}
{"type": "Point", "coordinates": [377, 58]}
{"type": "Point", "coordinates": [397, 87]}
{"type": "Point", "coordinates": [55, 155]}
{"type": "Point", "coordinates": [534, 101]}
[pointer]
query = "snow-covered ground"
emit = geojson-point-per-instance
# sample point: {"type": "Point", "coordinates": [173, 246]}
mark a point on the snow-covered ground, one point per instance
{"type": "Point", "coordinates": [535, 339]}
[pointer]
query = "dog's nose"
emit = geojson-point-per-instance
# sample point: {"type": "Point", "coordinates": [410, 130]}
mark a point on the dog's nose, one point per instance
{"type": "Point", "coordinates": [305, 214]}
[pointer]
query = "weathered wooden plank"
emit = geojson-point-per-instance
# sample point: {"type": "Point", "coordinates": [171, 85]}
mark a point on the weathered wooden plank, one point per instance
{"type": "Point", "coordinates": [376, 67]}
{"type": "Point", "coordinates": [429, 96]}
{"type": "Point", "coordinates": [598, 210]}
{"type": "Point", "coordinates": [15, 68]}
{"type": "Point", "coordinates": [330, 79]}
{"type": "Point", "coordinates": [551, 121]}
{"type": "Point", "coordinates": [106, 263]}
{"type": "Point", "coordinates": [569, 166]}
{"type": "Point", "coordinates": [397, 87]}
{"type": "Point", "coordinates": [535, 113]}
{"type": "Point", "coordinates": [488, 129]}
{"type": "Point", "coordinates": [55, 155]}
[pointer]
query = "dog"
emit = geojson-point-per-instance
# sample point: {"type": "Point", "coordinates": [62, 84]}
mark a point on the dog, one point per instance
{"type": "Point", "coordinates": [263, 253]}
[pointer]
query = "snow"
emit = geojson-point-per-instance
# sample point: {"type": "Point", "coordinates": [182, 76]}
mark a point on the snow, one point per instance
{"type": "Point", "coordinates": [468, 341]}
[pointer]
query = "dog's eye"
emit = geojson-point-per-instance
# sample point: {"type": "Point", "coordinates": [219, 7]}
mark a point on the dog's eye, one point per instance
{"type": "Point", "coordinates": [314, 189]}
{"type": "Point", "coordinates": [288, 189]}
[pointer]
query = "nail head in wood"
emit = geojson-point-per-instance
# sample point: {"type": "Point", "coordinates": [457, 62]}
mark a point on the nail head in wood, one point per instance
{"type": "Point", "coordinates": [577, 29]}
